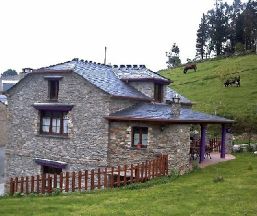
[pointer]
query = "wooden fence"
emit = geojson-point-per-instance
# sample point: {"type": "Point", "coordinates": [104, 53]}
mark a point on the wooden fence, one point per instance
{"type": "Point", "coordinates": [91, 180]}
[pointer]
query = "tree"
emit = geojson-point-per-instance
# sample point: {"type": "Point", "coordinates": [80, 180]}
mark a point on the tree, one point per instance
{"type": "Point", "coordinates": [235, 26]}
{"type": "Point", "coordinates": [249, 17]}
{"type": "Point", "coordinates": [9, 72]}
{"type": "Point", "coordinates": [202, 37]}
{"type": "Point", "coordinates": [218, 25]}
{"type": "Point", "coordinates": [173, 56]}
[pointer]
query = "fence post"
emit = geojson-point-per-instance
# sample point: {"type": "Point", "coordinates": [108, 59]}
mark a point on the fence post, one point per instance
{"type": "Point", "coordinates": [92, 179]}
{"type": "Point", "coordinates": [49, 183]}
{"type": "Point", "coordinates": [38, 191]}
{"type": "Point", "coordinates": [43, 183]}
{"type": "Point", "coordinates": [32, 184]}
{"type": "Point", "coordinates": [125, 175]}
{"type": "Point", "coordinates": [112, 177]}
{"type": "Point", "coordinates": [146, 168]}
{"type": "Point", "coordinates": [26, 184]}
{"type": "Point", "coordinates": [86, 180]}
{"type": "Point", "coordinates": [73, 182]}
{"type": "Point", "coordinates": [105, 177]}
{"type": "Point", "coordinates": [61, 181]}
{"type": "Point", "coordinates": [79, 181]}
{"type": "Point", "coordinates": [99, 178]}
{"type": "Point", "coordinates": [55, 180]}
{"type": "Point", "coordinates": [167, 165]}
{"type": "Point", "coordinates": [118, 177]}
{"type": "Point", "coordinates": [142, 172]}
{"type": "Point", "coordinates": [67, 178]}
{"type": "Point", "coordinates": [153, 167]}
{"type": "Point", "coordinates": [11, 186]}
{"type": "Point", "coordinates": [137, 173]}
{"type": "Point", "coordinates": [131, 174]}
{"type": "Point", "coordinates": [16, 184]}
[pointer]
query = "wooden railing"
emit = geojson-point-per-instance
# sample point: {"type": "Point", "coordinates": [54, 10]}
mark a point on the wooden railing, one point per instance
{"type": "Point", "coordinates": [100, 178]}
{"type": "Point", "coordinates": [215, 144]}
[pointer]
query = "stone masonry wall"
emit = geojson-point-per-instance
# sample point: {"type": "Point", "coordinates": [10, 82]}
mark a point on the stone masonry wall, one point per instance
{"type": "Point", "coordinates": [3, 124]}
{"type": "Point", "coordinates": [147, 88]}
{"type": "Point", "coordinates": [174, 140]}
{"type": "Point", "coordinates": [86, 145]}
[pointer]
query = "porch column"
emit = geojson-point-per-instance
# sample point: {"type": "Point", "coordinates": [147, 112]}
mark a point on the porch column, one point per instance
{"type": "Point", "coordinates": [202, 144]}
{"type": "Point", "coordinates": [223, 138]}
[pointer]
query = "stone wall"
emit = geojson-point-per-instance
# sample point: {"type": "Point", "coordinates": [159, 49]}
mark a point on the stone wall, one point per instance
{"type": "Point", "coordinates": [173, 140]}
{"type": "Point", "coordinates": [147, 88]}
{"type": "Point", "coordinates": [86, 145]}
{"type": "Point", "coordinates": [3, 124]}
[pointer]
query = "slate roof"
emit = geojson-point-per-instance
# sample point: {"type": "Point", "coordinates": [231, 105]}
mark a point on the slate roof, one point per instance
{"type": "Point", "coordinates": [137, 72]}
{"type": "Point", "coordinates": [170, 93]}
{"type": "Point", "coordinates": [162, 113]}
{"type": "Point", "coordinates": [100, 75]}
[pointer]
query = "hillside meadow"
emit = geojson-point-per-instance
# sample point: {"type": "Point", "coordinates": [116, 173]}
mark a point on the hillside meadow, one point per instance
{"type": "Point", "coordinates": [206, 88]}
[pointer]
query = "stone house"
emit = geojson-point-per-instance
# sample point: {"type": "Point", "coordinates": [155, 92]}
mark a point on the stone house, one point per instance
{"type": "Point", "coordinates": [82, 115]}
{"type": "Point", "coordinates": [6, 82]}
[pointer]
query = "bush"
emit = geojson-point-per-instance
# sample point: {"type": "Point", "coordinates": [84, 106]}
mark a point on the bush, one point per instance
{"type": "Point", "coordinates": [250, 167]}
{"type": "Point", "coordinates": [250, 148]}
{"type": "Point", "coordinates": [217, 179]}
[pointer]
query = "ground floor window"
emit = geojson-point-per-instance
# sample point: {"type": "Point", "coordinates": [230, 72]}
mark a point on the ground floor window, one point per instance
{"type": "Point", "coordinates": [139, 137]}
{"type": "Point", "coordinates": [54, 122]}
{"type": "Point", "coordinates": [51, 170]}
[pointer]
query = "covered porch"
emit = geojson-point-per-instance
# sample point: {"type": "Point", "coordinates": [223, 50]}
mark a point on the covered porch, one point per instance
{"type": "Point", "coordinates": [205, 148]}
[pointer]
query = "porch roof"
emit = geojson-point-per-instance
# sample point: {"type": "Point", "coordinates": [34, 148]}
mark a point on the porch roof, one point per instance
{"type": "Point", "coordinates": [162, 113]}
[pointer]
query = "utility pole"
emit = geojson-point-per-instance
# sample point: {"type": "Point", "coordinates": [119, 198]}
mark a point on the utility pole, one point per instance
{"type": "Point", "coordinates": [105, 49]}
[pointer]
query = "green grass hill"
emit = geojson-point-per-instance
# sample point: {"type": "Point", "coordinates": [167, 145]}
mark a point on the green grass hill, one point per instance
{"type": "Point", "coordinates": [206, 88]}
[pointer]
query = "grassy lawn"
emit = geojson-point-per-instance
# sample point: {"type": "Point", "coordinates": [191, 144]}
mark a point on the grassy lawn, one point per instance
{"type": "Point", "coordinates": [191, 194]}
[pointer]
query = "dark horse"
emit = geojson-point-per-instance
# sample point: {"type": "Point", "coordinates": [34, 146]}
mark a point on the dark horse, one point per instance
{"type": "Point", "coordinates": [189, 66]}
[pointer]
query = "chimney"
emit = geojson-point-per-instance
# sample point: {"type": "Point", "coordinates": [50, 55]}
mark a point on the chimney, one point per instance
{"type": "Point", "coordinates": [175, 105]}
{"type": "Point", "coordinates": [27, 70]}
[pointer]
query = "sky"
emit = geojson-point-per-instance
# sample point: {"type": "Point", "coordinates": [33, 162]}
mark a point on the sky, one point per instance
{"type": "Point", "coordinates": [38, 33]}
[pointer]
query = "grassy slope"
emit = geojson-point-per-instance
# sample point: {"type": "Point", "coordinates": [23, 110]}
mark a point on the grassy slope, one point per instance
{"type": "Point", "coordinates": [205, 87]}
{"type": "Point", "coordinates": [192, 194]}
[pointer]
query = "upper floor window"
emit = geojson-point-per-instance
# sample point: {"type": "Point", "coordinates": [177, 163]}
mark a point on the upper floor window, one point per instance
{"type": "Point", "coordinates": [139, 137]}
{"type": "Point", "coordinates": [53, 89]}
{"type": "Point", "coordinates": [158, 92]}
{"type": "Point", "coordinates": [54, 122]}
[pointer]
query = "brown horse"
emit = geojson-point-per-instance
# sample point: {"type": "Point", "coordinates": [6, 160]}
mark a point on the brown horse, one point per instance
{"type": "Point", "coordinates": [189, 66]}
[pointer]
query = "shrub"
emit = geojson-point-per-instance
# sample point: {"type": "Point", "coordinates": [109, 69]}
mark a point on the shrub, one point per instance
{"type": "Point", "coordinates": [217, 179]}
{"type": "Point", "coordinates": [250, 148]}
{"type": "Point", "coordinates": [250, 167]}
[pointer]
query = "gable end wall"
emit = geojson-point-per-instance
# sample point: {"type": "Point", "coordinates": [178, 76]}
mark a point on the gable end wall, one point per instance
{"type": "Point", "coordinates": [86, 145]}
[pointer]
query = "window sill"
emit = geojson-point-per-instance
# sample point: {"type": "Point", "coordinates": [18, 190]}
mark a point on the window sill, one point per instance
{"type": "Point", "coordinates": [53, 136]}
{"type": "Point", "coordinates": [52, 100]}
